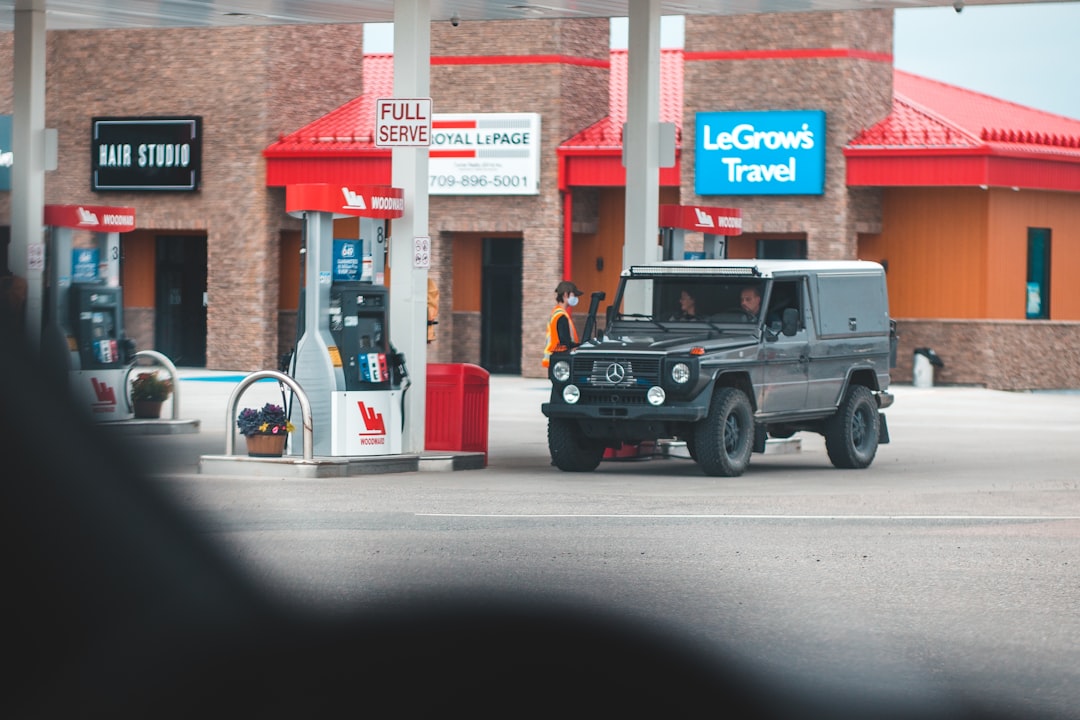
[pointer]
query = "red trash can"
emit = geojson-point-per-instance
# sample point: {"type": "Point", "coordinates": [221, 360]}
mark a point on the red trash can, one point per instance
{"type": "Point", "coordinates": [456, 417]}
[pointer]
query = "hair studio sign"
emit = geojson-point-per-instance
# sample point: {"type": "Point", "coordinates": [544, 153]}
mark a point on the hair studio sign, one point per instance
{"type": "Point", "coordinates": [147, 153]}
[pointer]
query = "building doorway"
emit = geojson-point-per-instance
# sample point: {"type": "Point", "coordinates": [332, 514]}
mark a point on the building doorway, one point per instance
{"type": "Point", "coordinates": [500, 312]}
{"type": "Point", "coordinates": [180, 299]}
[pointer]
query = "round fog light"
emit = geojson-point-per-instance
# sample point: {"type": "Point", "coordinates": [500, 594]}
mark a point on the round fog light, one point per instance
{"type": "Point", "coordinates": [561, 371]}
{"type": "Point", "coordinates": [655, 395]}
{"type": "Point", "coordinates": [571, 394]}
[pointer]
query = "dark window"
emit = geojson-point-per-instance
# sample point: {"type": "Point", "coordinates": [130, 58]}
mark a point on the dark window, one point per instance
{"type": "Point", "coordinates": [781, 249]}
{"type": "Point", "coordinates": [1037, 302]}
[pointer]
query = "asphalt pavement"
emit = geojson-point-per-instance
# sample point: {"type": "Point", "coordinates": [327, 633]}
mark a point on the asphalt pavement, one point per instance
{"type": "Point", "coordinates": [517, 434]}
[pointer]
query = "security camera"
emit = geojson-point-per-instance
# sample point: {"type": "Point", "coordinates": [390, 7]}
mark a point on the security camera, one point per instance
{"type": "Point", "coordinates": [958, 6]}
{"type": "Point", "coordinates": [455, 20]}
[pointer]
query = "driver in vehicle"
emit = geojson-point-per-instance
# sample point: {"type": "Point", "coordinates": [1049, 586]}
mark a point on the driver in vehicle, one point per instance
{"type": "Point", "coordinates": [750, 302]}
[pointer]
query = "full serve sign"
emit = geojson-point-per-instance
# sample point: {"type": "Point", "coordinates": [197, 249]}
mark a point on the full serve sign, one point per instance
{"type": "Point", "coordinates": [403, 122]}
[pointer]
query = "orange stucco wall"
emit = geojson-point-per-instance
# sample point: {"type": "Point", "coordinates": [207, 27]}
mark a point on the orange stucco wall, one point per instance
{"type": "Point", "coordinates": [962, 252]}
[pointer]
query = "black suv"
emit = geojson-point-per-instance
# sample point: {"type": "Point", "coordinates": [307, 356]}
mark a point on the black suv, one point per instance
{"type": "Point", "coordinates": [688, 353]}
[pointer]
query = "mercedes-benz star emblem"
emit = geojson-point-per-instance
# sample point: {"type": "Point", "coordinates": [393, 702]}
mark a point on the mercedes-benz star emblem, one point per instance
{"type": "Point", "coordinates": [616, 373]}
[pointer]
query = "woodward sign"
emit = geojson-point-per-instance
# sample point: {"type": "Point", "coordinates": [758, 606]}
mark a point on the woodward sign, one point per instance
{"type": "Point", "coordinates": [707, 220]}
{"type": "Point", "coordinates": [161, 153]}
{"type": "Point", "coordinates": [96, 218]}
{"type": "Point", "coordinates": [381, 202]}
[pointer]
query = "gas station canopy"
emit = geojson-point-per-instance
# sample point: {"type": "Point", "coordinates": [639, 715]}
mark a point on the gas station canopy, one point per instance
{"type": "Point", "coordinates": [105, 14]}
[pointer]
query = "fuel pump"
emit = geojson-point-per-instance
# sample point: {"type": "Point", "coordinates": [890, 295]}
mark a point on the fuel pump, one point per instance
{"type": "Point", "coordinates": [84, 312]}
{"type": "Point", "coordinates": [344, 360]}
{"type": "Point", "coordinates": [715, 223]}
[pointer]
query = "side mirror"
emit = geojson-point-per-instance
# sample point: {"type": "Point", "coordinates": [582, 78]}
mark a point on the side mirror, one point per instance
{"type": "Point", "coordinates": [789, 323]}
{"type": "Point", "coordinates": [590, 321]}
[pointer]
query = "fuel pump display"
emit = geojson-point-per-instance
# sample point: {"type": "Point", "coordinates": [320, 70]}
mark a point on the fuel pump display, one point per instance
{"type": "Point", "coordinates": [96, 318]}
{"type": "Point", "coordinates": [358, 322]}
{"type": "Point", "coordinates": [84, 318]}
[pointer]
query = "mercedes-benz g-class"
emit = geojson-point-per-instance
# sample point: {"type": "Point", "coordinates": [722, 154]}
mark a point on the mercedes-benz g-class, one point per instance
{"type": "Point", "coordinates": [721, 370]}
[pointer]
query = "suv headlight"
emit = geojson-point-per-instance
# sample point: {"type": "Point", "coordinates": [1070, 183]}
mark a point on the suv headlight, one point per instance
{"type": "Point", "coordinates": [656, 395]}
{"type": "Point", "coordinates": [561, 371]}
{"type": "Point", "coordinates": [680, 375]}
{"type": "Point", "coordinates": [571, 394]}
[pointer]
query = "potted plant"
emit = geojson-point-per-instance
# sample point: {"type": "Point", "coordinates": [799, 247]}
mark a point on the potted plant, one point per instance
{"type": "Point", "coordinates": [148, 391]}
{"type": "Point", "coordinates": [265, 429]}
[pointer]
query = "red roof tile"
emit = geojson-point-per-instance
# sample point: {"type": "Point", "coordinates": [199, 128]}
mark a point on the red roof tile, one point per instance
{"type": "Point", "coordinates": [348, 129]}
{"type": "Point", "coordinates": [607, 133]}
{"type": "Point", "coordinates": [930, 120]}
{"type": "Point", "coordinates": [927, 114]}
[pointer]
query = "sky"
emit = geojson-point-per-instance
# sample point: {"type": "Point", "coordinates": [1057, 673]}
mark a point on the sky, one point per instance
{"type": "Point", "coordinates": [1027, 54]}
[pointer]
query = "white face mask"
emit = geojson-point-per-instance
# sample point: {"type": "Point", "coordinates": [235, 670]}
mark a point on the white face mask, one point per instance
{"type": "Point", "coordinates": [572, 300]}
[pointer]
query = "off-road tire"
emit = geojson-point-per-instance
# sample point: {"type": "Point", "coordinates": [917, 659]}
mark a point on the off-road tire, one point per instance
{"type": "Point", "coordinates": [570, 452]}
{"type": "Point", "coordinates": [724, 440]}
{"type": "Point", "coordinates": [851, 436]}
{"type": "Point", "coordinates": [690, 449]}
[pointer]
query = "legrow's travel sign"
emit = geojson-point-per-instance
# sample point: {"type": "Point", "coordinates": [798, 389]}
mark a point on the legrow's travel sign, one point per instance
{"type": "Point", "coordinates": [146, 153]}
{"type": "Point", "coordinates": [484, 154]}
{"type": "Point", "coordinates": [760, 153]}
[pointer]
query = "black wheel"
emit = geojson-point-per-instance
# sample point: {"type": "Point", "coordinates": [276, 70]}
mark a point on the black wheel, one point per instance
{"type": "Point", "coordinates": [724, 440]}
{"type": "Point", "coordinates": [570, 452]}
{"type": "Point", "coordinates": [851, 436]}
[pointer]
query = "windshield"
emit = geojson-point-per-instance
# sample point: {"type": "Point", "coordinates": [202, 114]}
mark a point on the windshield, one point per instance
{"type": "Point", "coordinates": [694, 299]}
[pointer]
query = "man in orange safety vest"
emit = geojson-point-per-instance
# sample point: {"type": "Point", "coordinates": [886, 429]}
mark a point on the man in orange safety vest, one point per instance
{"type": "Point", "coordinates": [561, 333]}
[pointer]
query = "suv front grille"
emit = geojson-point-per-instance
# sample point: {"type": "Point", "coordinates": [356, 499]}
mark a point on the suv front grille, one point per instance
{"type": "Point", "coordinates": [616, 372]}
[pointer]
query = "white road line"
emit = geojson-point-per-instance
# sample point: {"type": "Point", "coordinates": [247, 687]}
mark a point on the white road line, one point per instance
{"type": "Point", "coordinates": [1010, 518]}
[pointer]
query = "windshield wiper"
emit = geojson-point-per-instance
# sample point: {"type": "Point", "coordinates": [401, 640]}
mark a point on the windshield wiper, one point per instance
{"type": "Point", "coordinates": [640, 316]}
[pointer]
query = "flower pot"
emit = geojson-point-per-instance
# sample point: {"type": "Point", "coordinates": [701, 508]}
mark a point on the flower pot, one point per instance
{"type": "Point", "coordinates": [266, 445]}
{"type": "Point", "coordinates": [147, 408]}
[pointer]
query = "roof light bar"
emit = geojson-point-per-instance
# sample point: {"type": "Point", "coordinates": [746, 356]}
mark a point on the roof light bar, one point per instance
{"type": "Point", "coordinates": [684, 271]}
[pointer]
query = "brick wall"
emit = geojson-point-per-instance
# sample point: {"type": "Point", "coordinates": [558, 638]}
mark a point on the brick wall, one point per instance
{"type": "Point", "coordinates": [570, 95]}
{"type": "Point", "coordinates": [854, 92]}
{"type": "Point", "coordinates": [248, 84]}
{"type": "Point", "coordinates": [996, 354]}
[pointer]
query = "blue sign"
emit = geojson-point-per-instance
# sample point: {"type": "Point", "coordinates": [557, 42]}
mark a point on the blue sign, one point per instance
{"type": "Point", "coordinates": [84, 265]}
{"type": "Point", "coordinates": [347, 265]}
{"type": "Point", "coordinates": [7, 156]}
{"type": "Point", "coordinates": [760, 153]}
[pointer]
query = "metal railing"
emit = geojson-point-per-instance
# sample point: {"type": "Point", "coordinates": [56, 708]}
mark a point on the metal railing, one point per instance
{"type": "Point", "coordinates": [305, 409]}
{"type": "Point", "coordinates": [163, 361]}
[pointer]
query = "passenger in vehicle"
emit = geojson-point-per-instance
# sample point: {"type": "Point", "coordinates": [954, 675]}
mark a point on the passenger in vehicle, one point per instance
{"type": "Point", "coordinates": [687, 307]}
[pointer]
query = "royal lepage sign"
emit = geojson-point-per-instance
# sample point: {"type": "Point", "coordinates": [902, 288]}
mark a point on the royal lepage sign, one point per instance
{"type": "Point", "coordinates": [403, 122]}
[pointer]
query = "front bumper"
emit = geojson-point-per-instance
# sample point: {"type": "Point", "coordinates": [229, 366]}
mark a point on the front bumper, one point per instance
{"type": "Point", "coordinates": [626, 413]}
